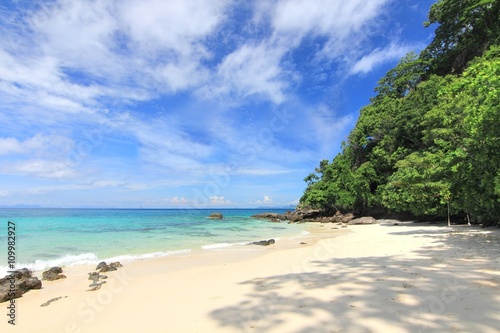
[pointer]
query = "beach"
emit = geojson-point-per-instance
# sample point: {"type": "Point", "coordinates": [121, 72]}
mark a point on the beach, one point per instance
{"type": "Point", "coordinates": [410, 277]}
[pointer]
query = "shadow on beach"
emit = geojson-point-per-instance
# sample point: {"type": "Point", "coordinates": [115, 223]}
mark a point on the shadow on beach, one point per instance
{"type": "Point", "coordinates": [452, 285]}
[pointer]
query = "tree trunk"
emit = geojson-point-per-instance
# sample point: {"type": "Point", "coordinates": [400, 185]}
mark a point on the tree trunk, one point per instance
{"type": "Point", "coordinates": [449, 223]}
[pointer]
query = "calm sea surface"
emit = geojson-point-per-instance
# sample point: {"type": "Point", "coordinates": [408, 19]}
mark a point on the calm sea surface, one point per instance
{"type": "Point", "coordinates": [61, 237]}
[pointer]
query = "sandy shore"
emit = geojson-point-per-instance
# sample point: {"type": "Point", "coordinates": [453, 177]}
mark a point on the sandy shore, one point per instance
{"type": "Point", "coordinates": [371, 278]}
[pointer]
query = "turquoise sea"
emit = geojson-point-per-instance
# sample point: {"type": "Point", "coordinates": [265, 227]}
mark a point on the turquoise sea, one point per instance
{"type": "Point", "coordinates": [62, 237]}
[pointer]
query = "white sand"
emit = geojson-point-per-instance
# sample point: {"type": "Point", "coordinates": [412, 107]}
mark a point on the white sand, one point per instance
{"type": "Point", "coordinates": [377, 278]}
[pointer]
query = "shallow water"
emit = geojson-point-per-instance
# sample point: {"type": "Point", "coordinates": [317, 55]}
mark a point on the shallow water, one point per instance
{"type": "Point", "coordinates": [60, 237]}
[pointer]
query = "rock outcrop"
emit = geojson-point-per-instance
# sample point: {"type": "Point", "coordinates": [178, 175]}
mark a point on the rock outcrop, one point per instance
{"type": "Point", "coordinates": [363, 220]}
{"type": "Point", "coordinates": [103, 267]}
{"type": "Point", "coordinates": [273, 217]}
{"type": "Point", "coordinates": [264, 242]}
{"type": "Point", "coordinates": [18, 283]}
{"type": "Point", "coordinates": [306, 215]}
{"type": "Point", "coordinates": [216, 216]}
{"type": "Point", "coordinates": [52, 274]}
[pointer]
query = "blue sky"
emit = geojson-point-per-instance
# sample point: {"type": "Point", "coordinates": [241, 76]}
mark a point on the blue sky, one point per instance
{"type": "Point", "coordinates": [186, 103]}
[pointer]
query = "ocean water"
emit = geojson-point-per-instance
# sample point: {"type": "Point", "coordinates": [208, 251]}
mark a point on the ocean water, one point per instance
{"type": "Point", "coordinates": [65, 237]}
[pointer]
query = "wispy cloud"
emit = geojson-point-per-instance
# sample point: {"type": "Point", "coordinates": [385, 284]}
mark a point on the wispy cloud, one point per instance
{"type": "Point", "coordinates": [380, 56]}
{"type": "Point", "coordinates": [156, 95]}
{"type": "Point", "coordinates": [39, 144]}
{"type": "Point", "coordinates": [266, 201]}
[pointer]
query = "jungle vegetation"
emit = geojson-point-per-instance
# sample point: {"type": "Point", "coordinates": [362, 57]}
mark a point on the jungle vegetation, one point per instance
{"type": "Point", "coordinates": [428, 144]}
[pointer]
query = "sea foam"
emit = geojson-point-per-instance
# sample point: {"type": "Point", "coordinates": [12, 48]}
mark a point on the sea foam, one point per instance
{"type": "Point", "coordinates": [86, 259]}
{"type": "Point", "coordinates": [66, 260]}
{"type": "Point", "coordinates": [220, 245]}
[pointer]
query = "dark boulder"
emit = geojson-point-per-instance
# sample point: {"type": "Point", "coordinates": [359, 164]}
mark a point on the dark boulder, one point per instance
{"type": "Point", "coordinates": [216, 216]}
{"type": "Point", "coordinates": [273, 217]}
{"type": "Point", "coordinates": [17, 283]}
{"type": "Point", "coordinates": [294, 216]}
{"type": "Point", "coordinates": [264, 242]}
{"type": "Point", "coordinates": [103, 267]}
{"type": "Point", "coordinates": [363, 220]}
{"type": "Point", "coordinates": [108, 268]}
{"type": "Point", "coordinates": [116, 264]}
{"type": "Point", "coordinates": [29, 283]}
{"type": "Point", "coordinates": [347, 217]}
{"type": "Point", "coordinates": [52, 274]}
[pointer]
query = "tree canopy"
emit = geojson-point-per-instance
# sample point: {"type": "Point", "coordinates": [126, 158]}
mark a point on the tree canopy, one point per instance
{"type": "Point", "coordinates": [429, 140]}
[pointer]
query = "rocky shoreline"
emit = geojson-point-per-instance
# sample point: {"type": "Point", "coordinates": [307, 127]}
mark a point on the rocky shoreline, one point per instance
{"type": "Point", "coordinates": [315, 215]}
{"type": "Point", "coordinates": [21, 281]}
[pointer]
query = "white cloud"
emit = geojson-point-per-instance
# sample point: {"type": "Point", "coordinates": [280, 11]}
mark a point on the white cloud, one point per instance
{"type": "Point", "coordinates": [344, 24]}
{"type": "Point", "coordinates": [67, 66]}
{"type": "Point", "coordinates": [37, 191]}
{"type": "Point", "coordinates": [336, 19]}
{"type": "Point", "coordinates": [328, 128]}
{"type": "Point", "coordinates": [253, 70]}
{"type": "Point", "coordinates": [40, 168]}
{"type": "Point", "coordinates": [262, 172]}
{"type": "Point", "coordinates": [3, 193]}
{"type": "Point", "coordinates": [266, 201]}
{"type": "Point", "coordinates": [261, 68]}
{"type": "Point", "coordinates": [76, 52]}
{"type": "Point", "coordinates": [78, 33]}
{"type": "Point", "coordinates": [218, 201]}
{"type": "Point", "coordinates": [39, 144]}
{"type": "Point", "coordinates": [163, 143]}
{"type": "Point", "coordinates": [80, 51]}
{"type": "Point", "coordinates": [170, 25]}
{"type": "Point", "coordinates": [178, 201]}
{"type": "Point", "coordinates": [380, 56]}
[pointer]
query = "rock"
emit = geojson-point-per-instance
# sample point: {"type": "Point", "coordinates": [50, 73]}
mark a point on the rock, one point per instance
{"type": "Point", "coordinates": [337, 217]}
{"type": "Point", "coordinates": [116, 264]}
{"type": "Point", "coordinates": [216, 216]}
{"type": "Point", "coordinates": [108, 268]}
{"type": "Point", "coordinates": [293, 216]}
{"type": "Point", "coordinates": [264, 242]}
{"type": "Point", "coordinates": [52, 274]}
{"type": "Point", "coordinates": [346, 218]}
{"type": "Point", "coordinates": [363, 220]}
{"type": "Point", "coordinates": [273, 217]}
{"type": "Point", "coordinates": [303, 214]}
{"type": "Point", "coordinates": [103, 267]}
{"type": "Point", "coordinates": [16, 284]}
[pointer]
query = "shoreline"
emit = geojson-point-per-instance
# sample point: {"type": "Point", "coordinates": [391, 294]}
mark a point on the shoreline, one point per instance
{"type": "Point", "coordinates": [379, 278]}
{"type": "Point", "coordinates": [69, 260]}
{"type": "Point", "coordinates": [128, 236]}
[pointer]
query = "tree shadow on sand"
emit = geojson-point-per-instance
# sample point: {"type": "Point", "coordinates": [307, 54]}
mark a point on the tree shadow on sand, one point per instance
{"type": "Point", "coordinates": [451, 287]}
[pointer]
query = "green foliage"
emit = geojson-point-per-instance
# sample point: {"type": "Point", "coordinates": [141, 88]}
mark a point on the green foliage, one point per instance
{"type": "Point", "coordinates": [420, 186]}
{"type": "Point", "coordinates": [430, 138]}
{"type": "Point", "coordinates": [466, 29]}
